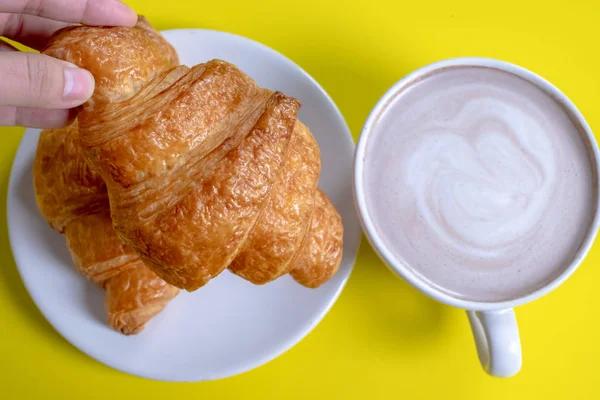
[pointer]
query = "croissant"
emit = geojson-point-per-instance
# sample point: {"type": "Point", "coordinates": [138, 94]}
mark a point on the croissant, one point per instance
{"type": "Point", "coordinates": [205, 170]}
{"type": "Point", "coordinates": [74, 201]}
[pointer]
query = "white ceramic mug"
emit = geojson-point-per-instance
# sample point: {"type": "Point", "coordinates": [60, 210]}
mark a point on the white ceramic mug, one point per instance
{"type": "Point", "coordinates": [494, 324]}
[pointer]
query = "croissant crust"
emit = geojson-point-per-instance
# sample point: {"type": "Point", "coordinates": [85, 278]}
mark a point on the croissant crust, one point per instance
{"type": "Point", "coordinates": [205, 170]}
{"type": "Point", "coordinates": [74, 200]}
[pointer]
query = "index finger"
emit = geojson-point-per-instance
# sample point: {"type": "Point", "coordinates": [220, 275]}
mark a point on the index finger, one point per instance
{"type": "Point", "coordinates": [88, 12]}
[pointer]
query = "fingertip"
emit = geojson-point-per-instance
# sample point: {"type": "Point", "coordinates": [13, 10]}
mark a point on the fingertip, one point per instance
{"type": "Point", "coordinates": [123, 15]}
{"type": "Point", "coordinates": [79, 85]}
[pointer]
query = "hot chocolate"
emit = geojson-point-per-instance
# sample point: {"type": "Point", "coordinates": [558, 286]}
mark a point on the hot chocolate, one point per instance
{"type": "Point", "coordinates": [479, 182]}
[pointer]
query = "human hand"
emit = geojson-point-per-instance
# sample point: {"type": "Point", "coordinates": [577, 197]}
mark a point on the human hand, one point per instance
{"type": "Point", "coordinates": [37, 90]}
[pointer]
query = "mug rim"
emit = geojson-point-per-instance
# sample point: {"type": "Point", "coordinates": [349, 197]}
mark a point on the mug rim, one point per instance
{"type": "Point", "coordinates": [374, 237]}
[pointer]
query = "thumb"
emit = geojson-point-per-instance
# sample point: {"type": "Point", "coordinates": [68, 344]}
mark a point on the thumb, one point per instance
{"type": "Point", "coordinates": [37, 80]}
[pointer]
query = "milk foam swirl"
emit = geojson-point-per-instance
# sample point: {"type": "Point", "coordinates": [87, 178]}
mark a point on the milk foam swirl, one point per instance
{"type": "Point", "coordinates": [479, 183]}
{"type": "Point", "coordinates": [484, 178]}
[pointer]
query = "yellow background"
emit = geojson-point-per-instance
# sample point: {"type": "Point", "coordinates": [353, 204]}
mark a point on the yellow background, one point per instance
{"type": "Point", "coordinates": [382, 339]}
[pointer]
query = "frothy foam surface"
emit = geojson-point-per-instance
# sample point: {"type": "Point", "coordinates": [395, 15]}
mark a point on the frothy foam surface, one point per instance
{"type": "Point", "coordinates": [480, 183]}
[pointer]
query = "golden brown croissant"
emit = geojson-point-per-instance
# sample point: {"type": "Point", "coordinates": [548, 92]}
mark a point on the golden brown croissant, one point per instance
{"type": "Point", "coordinates": [74, 201]}
{"type": "Point", "coordinates": [205, 170]}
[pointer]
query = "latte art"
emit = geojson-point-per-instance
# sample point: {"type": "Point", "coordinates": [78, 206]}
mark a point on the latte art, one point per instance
{"type": "Point", "coordinates": [479, 182]}
{"type": "Point", "coordinates": [481, 194]}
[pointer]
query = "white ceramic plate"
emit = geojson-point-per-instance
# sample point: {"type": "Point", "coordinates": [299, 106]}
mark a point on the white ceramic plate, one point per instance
{"type": "Point", "coordinates": [229, 326]}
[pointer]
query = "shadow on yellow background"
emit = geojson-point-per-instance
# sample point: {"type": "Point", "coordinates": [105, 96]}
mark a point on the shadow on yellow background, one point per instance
{"type": "Point", "coordinates": [395, 313]}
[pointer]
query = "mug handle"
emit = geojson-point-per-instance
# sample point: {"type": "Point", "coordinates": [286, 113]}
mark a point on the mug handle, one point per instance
{"type": "Point", "coordinates": [497, 340]}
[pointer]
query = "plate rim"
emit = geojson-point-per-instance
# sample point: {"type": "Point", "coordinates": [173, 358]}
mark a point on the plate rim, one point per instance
{"type": "Point", "coordinates": [242, 367]}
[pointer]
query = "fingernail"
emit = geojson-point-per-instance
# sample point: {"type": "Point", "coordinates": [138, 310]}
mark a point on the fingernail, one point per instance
{"type": "Point", "coordinates": [79, 84]}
